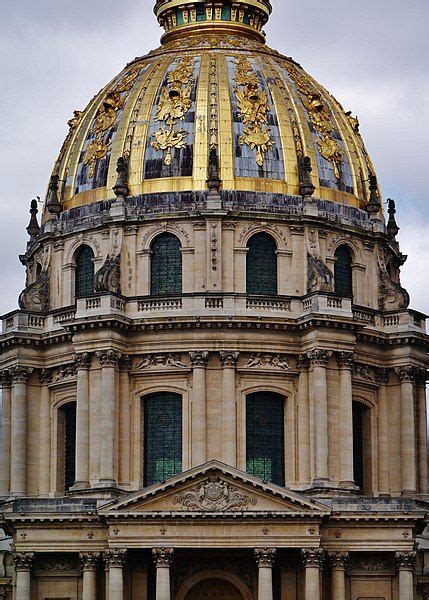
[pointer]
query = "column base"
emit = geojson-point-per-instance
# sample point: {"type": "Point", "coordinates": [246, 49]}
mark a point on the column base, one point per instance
{"type": "Point", "coordinates": [79, 485]}
{"type": "Point", "coordinates": [349, 485]}
{"type": "Point", "coordinates": [409, 493]}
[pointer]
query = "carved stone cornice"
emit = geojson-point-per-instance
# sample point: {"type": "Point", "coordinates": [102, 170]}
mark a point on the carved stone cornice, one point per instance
{"type": "Point", "coordinates": [228, 358]}
{"type": "Point", "coordinates": [20, 374]}
{"type": "Point", "coordinates": [345, 360]}
{"type": "Point", "coordinates": [312, 557]}
{"type": "Point", "coordinates": [46, 376]}
{"type": "Point", "coordinates": [83, 361]}
{"type": "Point", "coordinates": [406, 560]}
{"type": "Point", "coordinates": [89, 560]}
{"type": "Point", "coordinates": [114, 557]}
{"type": "Point", "coordinates": [338, 560]}
{"type": "Point", "coordinates": [198, 358]}
{"type": "Point", "coordinates": [382, 376]}
{"type": "Point", "coordinates": [265, 557]}
{"type": "Point", "coordinates": [162, 557]}
{"type": "Point", "coordinates": [5, 379]}
{"type": "Point", "coordinates": [108, 358]}
{"type": "Point", "coordinates": [407, 373]}
{"type": "Point", "coordinates": [319, 357]}
{"type": "Point", "coordinates": [23, 561]}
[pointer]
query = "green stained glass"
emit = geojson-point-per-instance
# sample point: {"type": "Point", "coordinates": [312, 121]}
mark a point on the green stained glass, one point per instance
{"type": "Point", "coordinates": [162, 437]}
{"type": "Point", "coordinates": [84, 281]}
{"type": "Point", "coordinates": [69, 444]}
{"type": "Point", "coordinates": [343, 277]}
{"type": "Point", "coordinates": [265, 436]}
{"type": "Point", "coordinates": [166, 266]}
{"type": "Point", "coordinates": [261, 270]}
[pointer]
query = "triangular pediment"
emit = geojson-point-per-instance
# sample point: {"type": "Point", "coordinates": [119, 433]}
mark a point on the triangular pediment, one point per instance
{"type": "Point", "coordinates": [214, 488]}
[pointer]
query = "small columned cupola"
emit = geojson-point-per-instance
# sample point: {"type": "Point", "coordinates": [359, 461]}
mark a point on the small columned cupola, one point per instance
{"type": "Point", "coordinates": [202, 16]}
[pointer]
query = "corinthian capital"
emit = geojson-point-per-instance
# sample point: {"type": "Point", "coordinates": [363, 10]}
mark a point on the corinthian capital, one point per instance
{"type": "Point", "coordinates": [46, 376]}
{"type": "Point", "coordinates": [382, 376]}
{"type": "Point", "coordinates": [406, 560]}
{"type": "Point", "coordinates": [162, 556]}
{"type": "Point", "coordinates": [265, 557]}
{"type": "Point", "coordinates": [83, 360]}
{"type": "Point", "coordinates": [228, 358]}
{"type": "Point", "coordinates": [345, 360]}
{"type": "Point", "coordinates": [338, 560]}
{"type": "Point", "coordinates": [23, 561]}
{"type": "Point", "coordinates": [312, 557]}
{"type": "Point", "coordinates": [114, 557]}
{"type": "Point", "coordinates": [5, 379]}
{"type": "Point", "coordinates": [319, 357]}
{"type": "Point", "coordinates": [406, 373]}
{"type": "Point", "coordinates": [89, 560]}
{"type": "Point", "coordinates": [108, 358]}
{"type": "Point", "coordinates": [20, 374]}
{"type": "Point", "coordinates": [198, 358]}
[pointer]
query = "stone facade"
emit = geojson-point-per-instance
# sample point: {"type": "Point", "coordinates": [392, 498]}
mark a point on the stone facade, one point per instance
{"type": "Point", "coordinates": [334, 527]}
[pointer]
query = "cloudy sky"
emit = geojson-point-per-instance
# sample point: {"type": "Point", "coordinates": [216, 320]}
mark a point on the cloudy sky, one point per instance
{"type": "Point", "coordinates": [56, 54]}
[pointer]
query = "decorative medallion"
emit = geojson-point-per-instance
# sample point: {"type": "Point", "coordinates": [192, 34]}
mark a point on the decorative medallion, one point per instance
{"type": "Point", "coordinates": [214, 494]}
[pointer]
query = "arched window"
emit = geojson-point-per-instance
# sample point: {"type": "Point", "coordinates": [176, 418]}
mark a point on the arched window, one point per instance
{"type": "Point", "coordinates": [66, 446]}
{"type": "Point", "coordinates": [261, 269]}
{"type": "Point", "coordinates": [343, 276]}
{"type": "Point", "coordinates": [265, 443]}
{"type": "Point", "coordinates": [84, 282]}
{"type": "Point", "coordinates": [361, 445]}
{"type": "Point", "coordinates": [162, 437]}
{"type": "Point", "coordinates": [166, 266]}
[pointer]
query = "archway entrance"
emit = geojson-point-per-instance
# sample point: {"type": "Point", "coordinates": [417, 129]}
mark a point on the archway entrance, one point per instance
{"type": "Point", "coordinates": [214, 589]}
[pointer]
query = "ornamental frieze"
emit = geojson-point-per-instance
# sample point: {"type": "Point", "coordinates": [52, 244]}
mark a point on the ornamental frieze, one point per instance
{"type": "Point", "coordinates": [214, 494]}
{"type": "Point", "coordinates": [267, 360]}
{"type": "Point", "coordinates": [154, 361]}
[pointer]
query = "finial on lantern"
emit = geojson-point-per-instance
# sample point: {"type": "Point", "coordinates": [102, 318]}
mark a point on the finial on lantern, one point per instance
{"type": "Point", "coordinates": [392, 226]}
{"type": "Point", "coordinates": [374, 205]}
{"type": "Point", "coordinates": [33, 228]}
{"type": "Point", "coordinates": [53, 205]}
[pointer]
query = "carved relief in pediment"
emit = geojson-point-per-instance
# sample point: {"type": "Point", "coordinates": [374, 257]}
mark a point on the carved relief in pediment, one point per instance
{"type": "Point", "coordinates": [214, 494]}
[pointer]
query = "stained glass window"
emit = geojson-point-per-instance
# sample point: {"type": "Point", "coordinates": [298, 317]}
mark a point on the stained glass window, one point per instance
{"type": "Point", "coordinates": [166, 266]}
{"type": "Point", "coordinates": [265, 436]}
{"type": "Point", "coordinates": [261, 276]}
{"type": "Point", "coordinates": [69, 411]}
{"type": "Point", "coordinates": [162, 437]}
{"type": "Point", "coordinates": [358, 444]}
{"type": "Point", "coordinates": [343, 276]}
{"type": "Point", "coordinates": [84, 272]}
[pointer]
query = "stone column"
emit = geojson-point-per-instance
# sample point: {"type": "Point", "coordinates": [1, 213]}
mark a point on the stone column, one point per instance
{"type": "Point", "coordinates": [407, 376]}
{"type": "Point", "coordinates": [5, 432]}
{"type": "Point", "coordinates": [89, 563]}
{"type": "Point", "coordinates": [18, 467]}
{"type": "Point", "coordinates": [115, 559]}
{"type": "Point", "coordinates": [109, 362]}
{"type": "Point", "coordinates": [304, 445]}
{"type": "Point", "coordinates": [163, 558]}
{"type": "Point", "coordinates": [83, 364]}
{"type": "Point", "coordinates": [23, 561]}
{"type": "Point", "coordinates": [228, 361]}
{"type": "Point", "coordinates": [199, 408]}
{"type": "Point", "coordinates": [345, 362]}
{"type": "Point", "coordinates": [45, 433]}
{"type": "Point", "coordinates": [422, 441]}
{"type": "Point", "coordinates": [312, 559]}
{"type": "Point", "coordinates": [265, 558]}
{"type": "Point", "coordinates": [319, 361]}
{"type": "Point", "coordinates": [338, 563]}
{"type": "Point", "coordinates": [383, 376]}
{"type": "Point", "coordinates": [125, 364]}
{"type": "Point", "coordinates": [406, 561]}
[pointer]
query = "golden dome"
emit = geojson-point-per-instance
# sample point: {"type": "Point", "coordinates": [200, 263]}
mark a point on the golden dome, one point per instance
{"type": "Point", "coordinates": [215, 86]}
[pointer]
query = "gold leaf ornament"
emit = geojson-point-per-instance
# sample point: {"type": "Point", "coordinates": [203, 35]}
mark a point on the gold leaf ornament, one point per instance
{"type": "Point", "coordinates": [96, 150]}
{"type": "Point", "coordinates": [166, 139]}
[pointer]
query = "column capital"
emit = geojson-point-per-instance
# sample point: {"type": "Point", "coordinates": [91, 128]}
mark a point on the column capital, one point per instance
{"type": "Point", "coordinates": [228, 358]}
{"type": "Point", "coordinates": [312, 557]}
{"type": "Point", "coordinates": [83, 361]}
{"type": "Point", "coordinates": [20, 374]}
{"type": "Point", "coordinates": [126, 362]}
{"type": "Point", "coordinates": [338, 560]}
{"type": "Point", "coordinates": [114, 557]}
{"type": "Point", "coordinates": [345, 360]}
{"type": "Point", "coordinates": [46, 376]}
{"type": "Point", "coordinates": [198, 358]}
{"type": "Point", "coordinates": [265, 557]}
{"type": "Point", "coordinates": [23, 561]}
{"type": "Point", "coordinates": [406, 560]}
{"type": "Point", "coordinates": [5, 378]}
{"type": "Point", "coordinates": [162, 557]}
{"type": "Point", "coordinates": [303, 362]}
{"type": "Point", "coordinates": [406, 373]}
{"type": "Point", "coordinates": [382, 376]}
{"type": "Point", "coordinates": [108, 358]}
{"type": "Point", "coordinates": [89, 560]}
{"type": "Point", "coordinates": [319, 357]}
